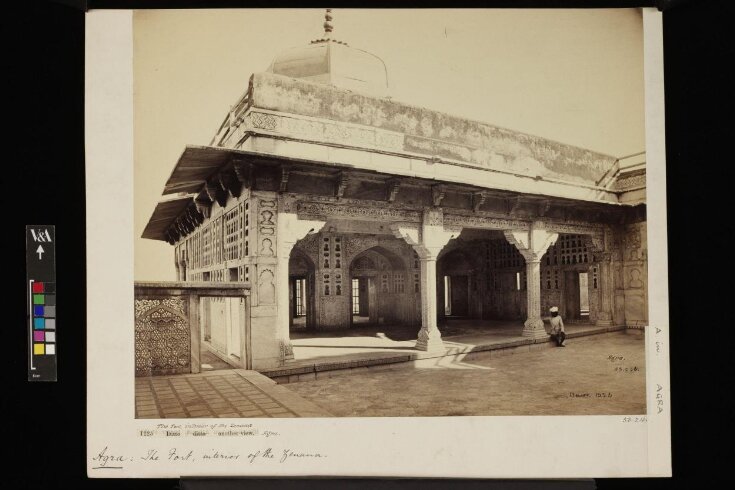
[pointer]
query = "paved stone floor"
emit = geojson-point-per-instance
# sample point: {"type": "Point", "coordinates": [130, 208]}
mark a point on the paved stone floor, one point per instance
{"type": "Point", "coordinates": [580, 379]}
{"type": "Point", "coordinates": [362, 341]}
{"type": "Point", "coordinates": [228, 393]}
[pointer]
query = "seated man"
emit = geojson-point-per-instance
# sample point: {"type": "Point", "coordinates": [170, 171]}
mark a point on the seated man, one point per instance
{"type": "Point", "coordinates": [557, 327]}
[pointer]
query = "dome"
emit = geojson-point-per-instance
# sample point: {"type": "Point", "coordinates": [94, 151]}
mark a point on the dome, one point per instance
{"type": "Point", "coordinates": [335, 63]}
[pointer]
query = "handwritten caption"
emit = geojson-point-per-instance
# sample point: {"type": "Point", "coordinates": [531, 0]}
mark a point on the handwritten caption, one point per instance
{"type": "Point", "coordinates": [620, 367]}
{"type": "Point", "coordinates": [109, 459]}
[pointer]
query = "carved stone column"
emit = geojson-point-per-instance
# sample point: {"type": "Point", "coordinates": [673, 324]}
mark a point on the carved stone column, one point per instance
{"type": "Point", "coordinates": [532, 244]}
{"type": "Point", "coordinates": [427, 239]}
{"type": "Point", "coordinates": [290, 230]}
{"type": "Point", "coordinates": [429, 337]}
{"type": "Point", "coordinates": [601, 245]}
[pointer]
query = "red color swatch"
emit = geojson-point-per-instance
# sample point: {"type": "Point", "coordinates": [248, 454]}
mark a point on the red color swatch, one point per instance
{"type": "Point", "coordinates": [37, 287]}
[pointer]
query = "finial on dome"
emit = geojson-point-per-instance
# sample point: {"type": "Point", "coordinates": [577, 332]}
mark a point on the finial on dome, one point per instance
{"type": "Point", "coordinates": [328, 23]}
{"type": "Point", "coordinates": [328, 27]}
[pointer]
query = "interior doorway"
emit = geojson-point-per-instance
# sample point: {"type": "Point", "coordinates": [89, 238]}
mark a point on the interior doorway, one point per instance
{"type": "Point", "coordinates": [363, 300]}
{"type": "Point", "coordinates": [584, 295]}
{"type": "Point", "coordinates": [301, 291]}
{"type": "Point", "coordinates": [223, 329]}
{"type": "Point", "coordinates": [572, 297]}
{"type": "Point", "coordinates": [299, 303]}
{"type": "Point", "coordinates": [456, 296]}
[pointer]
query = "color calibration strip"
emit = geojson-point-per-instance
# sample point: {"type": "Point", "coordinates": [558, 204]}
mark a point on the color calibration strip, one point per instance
{"type": "Point", "coordinates": [43, 296]}
{"type": "Point", "coordinates": [41, 302]}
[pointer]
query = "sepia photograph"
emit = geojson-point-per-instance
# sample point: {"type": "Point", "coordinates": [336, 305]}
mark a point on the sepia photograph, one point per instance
{"type": "Point", "coordinates": [389, 213]}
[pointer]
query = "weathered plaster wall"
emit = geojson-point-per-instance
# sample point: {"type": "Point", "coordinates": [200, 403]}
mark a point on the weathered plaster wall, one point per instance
{"type": "Point", "coordinates": [419, 130]}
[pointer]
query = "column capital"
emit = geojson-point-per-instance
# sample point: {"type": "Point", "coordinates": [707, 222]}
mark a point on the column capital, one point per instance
{"type": "Point", "coordinates": [291, 229]}
{"type": "Point", "coordinates": [426, 240]}
{"type": "Point", "coordinates": [533, 243]}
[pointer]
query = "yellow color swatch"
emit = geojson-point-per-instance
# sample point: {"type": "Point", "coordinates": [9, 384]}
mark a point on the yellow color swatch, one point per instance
{"type": "Point", "coordinates": [38, 349]}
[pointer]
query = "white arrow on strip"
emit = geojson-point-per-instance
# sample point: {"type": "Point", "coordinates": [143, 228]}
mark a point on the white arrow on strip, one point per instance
{"type": "Point", "coordinates": [39, 251]}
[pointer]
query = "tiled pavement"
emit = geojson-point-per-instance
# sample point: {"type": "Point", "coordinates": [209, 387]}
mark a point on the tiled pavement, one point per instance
{"type": "Point", "coordinates": [225, 394]}
{"type": "Point", "coordinates": [538, 381]}
{"type": "Point", "coordinates": [579, 379]}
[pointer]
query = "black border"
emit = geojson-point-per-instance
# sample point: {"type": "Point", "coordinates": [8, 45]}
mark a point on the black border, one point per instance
{"type": "Point", "coordinates": [44, 182]}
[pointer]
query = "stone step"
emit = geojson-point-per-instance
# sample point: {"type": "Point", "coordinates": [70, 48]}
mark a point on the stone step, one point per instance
{"type": "Point", "coordinates": [378, 361]}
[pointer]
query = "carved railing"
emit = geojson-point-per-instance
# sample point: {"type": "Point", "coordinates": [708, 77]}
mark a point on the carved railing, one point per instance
{"type": "Point", "coordinates": [168, 326]}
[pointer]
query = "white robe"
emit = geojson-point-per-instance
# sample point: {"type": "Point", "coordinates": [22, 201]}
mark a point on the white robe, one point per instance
{"type": "Point", "coordinates": [557, 325]}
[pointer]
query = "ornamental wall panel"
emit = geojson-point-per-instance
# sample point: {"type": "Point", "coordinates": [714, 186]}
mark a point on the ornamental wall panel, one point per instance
{"type": "Point", "coordinates": [635, 274]}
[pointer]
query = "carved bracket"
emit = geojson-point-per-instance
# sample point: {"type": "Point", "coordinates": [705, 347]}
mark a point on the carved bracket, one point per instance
{"type": "Point", "coordinates": [292, 229]}
{"type": "Point", "coordinates": [512, 205]}
{"type": "Point", "coordinates": [243, 172]}
{"type": "Point", "coordinates": [229, 182]}
{"type": "Point", "coordinates": [544, 207]}
{"type": "Point", "coordinates": [172, 235]}
{"type": "Point", "coordinates": [203, 204]}
{"type": "Point", "coordinates": [343, 179]}
{"type": "Point", "coordinates": [393, 186]}
{"type": "Point", "coordinates": [478, 198]}
{"type": "Point", "coordinates": [438, 192]}
{"type": "Point", "coordinates": [426, 243]}
{"type": "Point", "coordinates": [216, 193]}
{"type": "Point", "coordinates": [533, 243]}
{"type": "Point", "coordinates": [409, 232]}
{"type": "Point", "coordinates": [283, 186]}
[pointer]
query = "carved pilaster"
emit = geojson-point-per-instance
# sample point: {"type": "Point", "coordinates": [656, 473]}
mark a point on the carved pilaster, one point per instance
{"type": "Point", "coordinates": [604, 316]}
